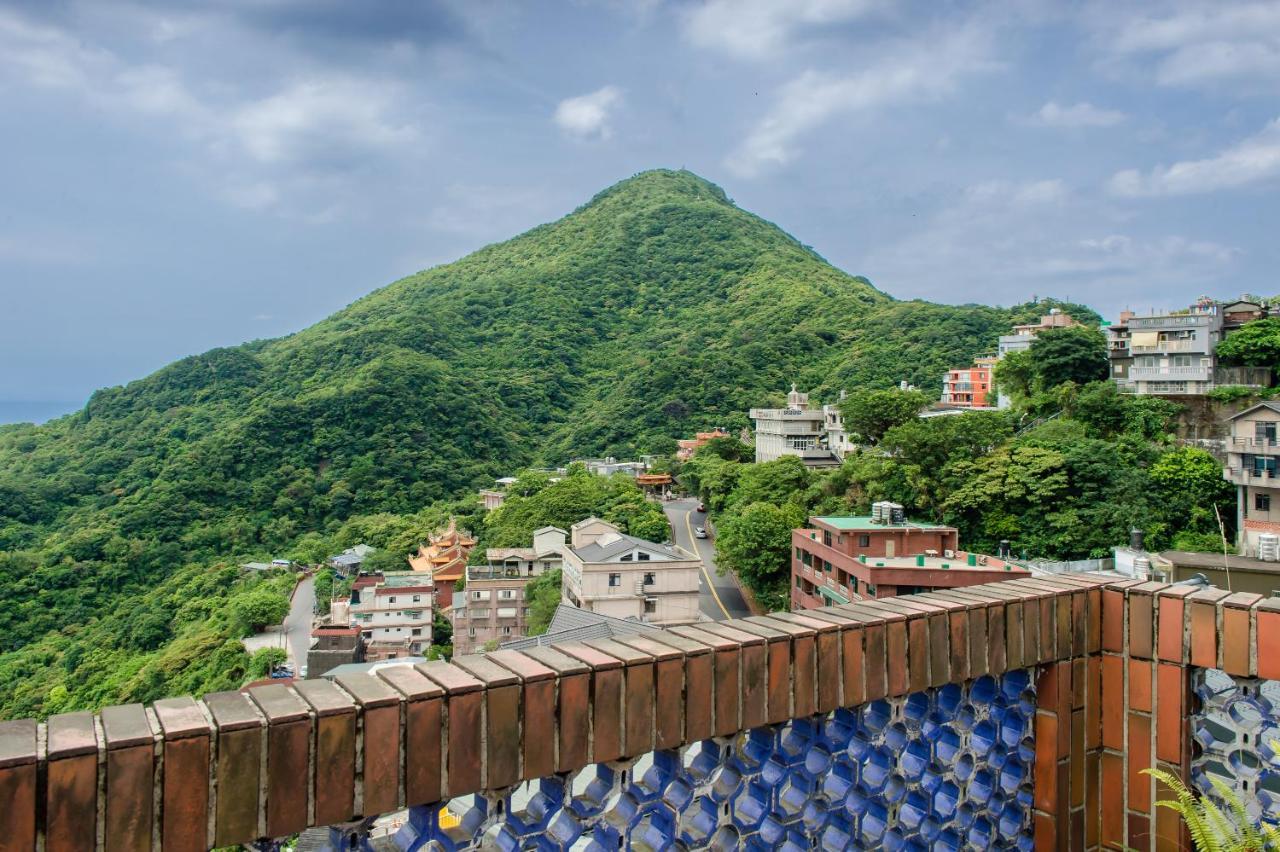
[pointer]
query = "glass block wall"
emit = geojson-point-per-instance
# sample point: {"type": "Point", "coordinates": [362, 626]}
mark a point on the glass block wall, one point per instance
{"type": "Point", "coordinates": [946, 768]}
{"type": "Point", "coordinates": [1237, 721]}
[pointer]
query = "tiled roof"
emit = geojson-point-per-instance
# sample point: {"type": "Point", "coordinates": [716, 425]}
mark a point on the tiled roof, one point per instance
{"type": "Point", "coordinates": [601, 552]}
{"type": "Point", "coordinates": [571, 624]}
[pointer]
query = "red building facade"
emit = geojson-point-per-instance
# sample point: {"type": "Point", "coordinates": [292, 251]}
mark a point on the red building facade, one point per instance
{"type": "Point", "coordinates": [842, 559]}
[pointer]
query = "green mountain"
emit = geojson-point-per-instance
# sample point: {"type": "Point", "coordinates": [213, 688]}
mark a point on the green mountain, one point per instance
{"type": "Point", "coordinates": [656, 309]}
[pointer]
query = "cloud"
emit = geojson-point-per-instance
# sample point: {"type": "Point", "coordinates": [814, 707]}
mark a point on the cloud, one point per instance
{"type": "Point", "coordinates": [1254, 160]}
{"type": "Point", "coordinates": [918, 71]}
{"type": "Point", "coordinates": [587, 116]}
{"type": "Point", "coordinates": [1014, 192]}
{"type": "Point", "coordinates": [758, 29]}
{"type": "Point", "coordinates": [1202, 44]}
{"type": "Point", "coordinates": [1083, 114]}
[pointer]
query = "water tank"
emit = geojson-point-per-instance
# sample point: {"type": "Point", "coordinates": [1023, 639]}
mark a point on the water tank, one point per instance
{"type": "Point", "coordinates": [1141, 567]}
{"type": "Point", "coordinates": [1269, 547]}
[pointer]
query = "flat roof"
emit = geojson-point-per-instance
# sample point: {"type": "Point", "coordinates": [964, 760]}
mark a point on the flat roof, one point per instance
{"type": "Point", "coordinates": [864, 522]}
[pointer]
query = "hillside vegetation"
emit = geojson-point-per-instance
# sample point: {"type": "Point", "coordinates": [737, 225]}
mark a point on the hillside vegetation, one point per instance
{"type": "Point", "coordinates": [656, 309]}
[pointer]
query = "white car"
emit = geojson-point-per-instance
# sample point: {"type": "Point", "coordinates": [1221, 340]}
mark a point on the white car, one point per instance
{"type": "Point", "coordinates": [699, 532]}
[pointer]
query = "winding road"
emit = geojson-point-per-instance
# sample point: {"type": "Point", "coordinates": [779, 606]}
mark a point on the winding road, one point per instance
{"type": "Point", "coordinates": [297, 624]}
{"type": "Point", "coordinates": [718, 597]}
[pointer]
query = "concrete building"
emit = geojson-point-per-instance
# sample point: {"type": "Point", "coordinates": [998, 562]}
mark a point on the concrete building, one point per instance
{"type": "Point", "coordinates": [838, 560]}
{"type": "Point", "coordinates": [334, 645]}
{"type": "Point", "coordinates": [1252, 454]}
{"type": "Point", "coordinates": [800, 430]}
{"type": "Point", "coordinates": [393, 613]}
{"type": "Point", "coordinates": [609, 465]}
{"type": "Point", "coordinates": [493, 606]}
{"type": "Point", "coordinates": [1172, 353]}
{"type": "Point", "coordinates": [627, 577]}
{"type": "Point", "coordinates": [969, 387]}
{"type": "Point", "coordinates": [1020, 338]}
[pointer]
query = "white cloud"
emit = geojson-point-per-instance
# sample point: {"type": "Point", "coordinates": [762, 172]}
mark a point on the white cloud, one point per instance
{"type": "Point", "coordinates": [758, 29]}
{"type": "Point", "coordinates": [1083, 114]}
{"type": "Point", "coordinates": [914, 72]}
{"type": "Point", "coordinates": [587, 116]}
{"type": "Point", "coordinates": [1014, 192]}
{"type": "Point", "coordinates": [1254, 160]}
{"type": "Point", "coordinates": [1199, 44]}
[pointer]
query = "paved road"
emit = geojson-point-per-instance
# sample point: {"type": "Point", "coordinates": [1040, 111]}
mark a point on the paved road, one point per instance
{"type": "Point", "coordinates": [297, 624]}
{"type": "Point", "coordinates": [719, 598]}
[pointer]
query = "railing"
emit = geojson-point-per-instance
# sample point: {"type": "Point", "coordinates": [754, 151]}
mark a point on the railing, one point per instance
{"type": "Point", "coordinates": [1192, 373]}
{"type": "Point", "coordinates": [1015, 713]}
{"type": "Point", "coordinates": [1172, 346]}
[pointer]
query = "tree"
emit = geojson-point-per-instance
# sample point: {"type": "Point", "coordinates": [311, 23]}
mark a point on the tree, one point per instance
{"type": "Point", "coordinates": [1015, 376]}
{"type": "Point", "coordinates": [1255, 344]}
{"type": "Point", "coordinates": [774, 481]}
{"type": "Point", "coordinates": [543, 595]}
{"type": "Point", "coordinates": [728, 448]}
{"type": "Point", "coordinates": [441, 629]}
{"type": "Point", "coordinates": [869, 414]}
{"type": "Point", "coordinates": [1189, 485]}
{"type": "Point", "coordinates": [256, 609]}
{"type": "Point", "coordinates": [1073, 354]}
{"type": "Point", "coordinates": [755, 542]}
{"type": "Point", "coordinates": [264, 660]}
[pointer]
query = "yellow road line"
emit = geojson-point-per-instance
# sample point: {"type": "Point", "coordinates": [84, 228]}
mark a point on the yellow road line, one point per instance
{"type": "Point", "coordinates": [693, 542]}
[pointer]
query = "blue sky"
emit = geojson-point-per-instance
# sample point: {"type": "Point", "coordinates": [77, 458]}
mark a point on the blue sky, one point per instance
{"type": "Point", "coordinates": [178, 176]}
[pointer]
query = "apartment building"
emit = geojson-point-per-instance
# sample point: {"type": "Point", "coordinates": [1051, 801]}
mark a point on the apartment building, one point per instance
{"type": "Point", "coordinates": [393, 612]}
{"type": "Point", "coordinates": [837, 560]}
{"type": "Point", "coordinates": [493, 606]}
{"type": "Point", "coordinates": [969, 387]}
{"type": "Point", "coordinates": [815, 435]}
{"type": "Point", "coordinates": [623, 576]}
{"type": "Point", "coordinates": [1173, 353]}
{"type": "Point", "coordinates": [1252, 454]}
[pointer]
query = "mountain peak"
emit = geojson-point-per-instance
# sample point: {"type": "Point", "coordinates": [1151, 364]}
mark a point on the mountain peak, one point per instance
{"type": "Point", "coordinates": [660, 185]}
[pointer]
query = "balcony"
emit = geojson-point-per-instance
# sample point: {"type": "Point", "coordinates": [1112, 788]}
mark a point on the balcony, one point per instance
{"type": "Point", "coordinates": [1184, 374]}
{"type": "Point", "coordinates": [972, 719]}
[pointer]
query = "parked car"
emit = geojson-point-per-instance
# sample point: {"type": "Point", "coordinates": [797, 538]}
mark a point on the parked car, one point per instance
{"type": "Point", "coordinates": [702, 507]}
{"type": "Point", "coordinates": [699, 532]}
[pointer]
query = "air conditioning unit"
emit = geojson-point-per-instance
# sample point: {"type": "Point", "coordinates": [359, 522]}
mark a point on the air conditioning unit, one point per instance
{"type": "Point", "coordinates": [950, 554]}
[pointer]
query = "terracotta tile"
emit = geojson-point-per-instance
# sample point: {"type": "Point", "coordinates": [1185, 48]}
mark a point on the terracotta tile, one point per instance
{"type": "Point", "coordinates": [1171, 691]}
{"type": "Point", "coordinates": [335, 759]}
{"type": "Point", "coordinates": [897, 658]}
{"type": "Point", "coordinates": [876, 660]}
{"type": "Point", "coordinates": [1093, 703]}
{"type": "Point", "coordinates": [1141, 630]}
{"type": "Point", "coordinates": [829, 670]}
{"type": "Point", "coordinates": [236, 818]}
{"type": "Point", "coordinates": [1169, 825]}
{"type": "Point", "coordinates": [185, 778]}
{"type": "Point", "coordinates": [1268, 627]}
{"type": "Point", "coordinates": [606, 714]}
{"type": "Point", "coordinates": [1045, 773]}
{"type": "Point", "coordinates": [503, 749]}
{"type": "Point", "coordinates": [669, 721]}
{"type": "Point", "coordinates": [1112, 620]}
{"type": "Point", "coordinates": [1027, 613]}
{"type": "Point", "coordinates": [1171, 607]}
{"type": "Point", "coordinates": [18, 792]}
{"type": "Point", "coordinates": [1045, 827]}
{"type": "Point", "coordinates": [1079, 624]}
{"type": "Point", "coordinates": [1093, 615]}
{"type": "Point", "coordinates": [979, 663]}
{"type": "Point", "coordinates": [1236, 638]}
{"type": "Point", "coordinates": [1138, 755]}
{"type": "Point", "coordinates": [1112, 700]}
{"type": "Point", "coordinates": [1015, 644]}
{"type": "Point", "coordinates": [130, 777]}
{"type": "Point", "coordinates": [1075, 760]}
{"type": "Point", "coordinates": [423, 728]}
{"type": "Point", "coordinates": [380, 739]}
{"type": "Point", "coordinates": [573, 703]}
{"type": "Point", "coordinates": [1140, 685]}
{"type": "Point", "coordinates": [1139, 830]}
{"type": "Point", "coordinates": [1113, 784]}
{"type": "Point", "coordinates": [1204, 635]}
{"type": "Point", "coordinates": [1064, 628]}
{"type": "Point", "coordinates": [853, 688]}
{"type": "Point", "coordinates": [918, 640]}
{"type": "Point", "coordinates": [755, 685]}
{"type": "Point", "coordinates": [1092, 799]}
{"type": "Point", "coordinates": [1078, 681]}
{"type": "Point", "coordinates": [774, 703]}
{"type": "Point", "coordinates": [958, 627]}
{"type": "Point", "coordinates": [996, 659]}
{"type": "Point", "coordinates": [464, 757]}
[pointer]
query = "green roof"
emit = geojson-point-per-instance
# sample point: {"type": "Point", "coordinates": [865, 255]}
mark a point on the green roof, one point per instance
{"type": "Point", "coordinates": [864, 522]}
{"type": "Point", "coordinates": [831, 594]}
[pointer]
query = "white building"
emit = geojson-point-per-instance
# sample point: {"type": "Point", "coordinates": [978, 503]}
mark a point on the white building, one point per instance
{"type": "Point", "coordinates": [393, 613]}
{"type": "Point", "coordinates": [1253, 458]}
{"type": "Point", "coordinates": [623, 576]}
{"type": "Point", "coordinates": [493, 607]}
{"type": "Point", "coordinates": [799, 430]}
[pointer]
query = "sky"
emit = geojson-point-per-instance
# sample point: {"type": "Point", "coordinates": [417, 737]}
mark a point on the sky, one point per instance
{"type": "Point", "coordinates": [183, 175]}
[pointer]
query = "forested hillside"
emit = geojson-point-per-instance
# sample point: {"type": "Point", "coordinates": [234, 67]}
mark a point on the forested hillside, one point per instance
{"type": "Point", "coordinates": [656, 309]}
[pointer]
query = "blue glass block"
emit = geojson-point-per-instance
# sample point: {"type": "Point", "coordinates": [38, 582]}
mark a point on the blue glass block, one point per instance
{"type": "Point", "coordinates": [755, 748]}
{"type": "Point", "coordinates": [948, 841]}
{"type": "Point", "coordinates": [983, 691]}
{"type": "Point", "coordinates": [836, 836]}
{"type": "Point", "coordinates": [751, 806]}
{"type": "Point", "coordinates": [1012, 729]}
{"type": "Point", "coordinates": [656, 829]}
{"type": "Point", "coordinates": [678, 795]}
{"type": "Point", "coordinates": [726, 839]}
{"type": "Point", "coordinates": [1027, 750]}
{"type": "Point", "coordinates": [876, 767]}
{"type": "Point", "coordinates": [983, 738]}
{"type": "Point", "coordinates": [945, 801]}
{"type": "Point", "coordinates": [815, 816]}
{"type": "Point", "coordinates": [794, 794]}
{"type": "Point", "coordinates": [875, 716]}
{"type": "Point", "coordinates": [963, 767]}
{"type": "Point", "coordinates": [914, 709]}
{"type": "Point", "coordinates": [857, 802]}
{"type": "Point", "coordinates": [858, 746]}
{"type": "Point", "coordinates": [946, 745]}
{"type": "Point", "coordinates": [964, 817]}
{"type": "Point", "coordinates": [1011, 776]}
{"type": "Point", "coordinates": [948, 699]}
{"type": "Point", "coordinates": [772, 832]}
{"type": "Point", "coordinates": [817, 761]}
{"type": "Point", "coordinates": [837, 783]}
{"type": "Point", "coordinates": [930, 830]}
{"type": "Point", "coordinates": [981, 786]}
{"type": "Point", "coordinates": [912, 812]}
{"type": "Point", "coordinates": [965, 718]}
{"type": "Point", "coordinates": [698, 823]}
{"type": "Point", "coordinates": [914, 759]}
{"type": "Point", "coordinates": [773, 771]}
{"type": "Point", "coordinates": [725, 783]}
{"type": "Point", "coordinates": [894, 788]}
{"type": "Point", "coordinates": [591, 802]}
{"type": "Point", "coordinates": [874, 823]}
{"type": "Point", "coordinates": [1025, 796]}
{"type": "Point", "coordinates": [1011, 821]}
{"type": "Point", "coordinates": [981, 833]}
{"type": "Point", "coordinates": [933, 777]}
{"type": "Point", "coordinates": [895, 736]}
{"type": "Point", "coordinates": [1026, 842]}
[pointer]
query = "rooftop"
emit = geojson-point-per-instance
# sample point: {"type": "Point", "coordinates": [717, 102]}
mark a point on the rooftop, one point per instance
{"type": "Point", "coordinates": [571, 624]}
{"type": "Point", "coordinates": [610, 545]}
{"type": "Point", "coordinates": [864, 522]}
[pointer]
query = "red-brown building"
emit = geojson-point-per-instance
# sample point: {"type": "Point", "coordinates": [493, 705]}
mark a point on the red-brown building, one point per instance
{"type": "Point", "coordinates": [842, 559]}
{"type": "Point", "coordinates": [970, 387]}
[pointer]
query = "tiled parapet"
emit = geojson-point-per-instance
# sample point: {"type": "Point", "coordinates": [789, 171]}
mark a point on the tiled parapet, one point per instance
{"type": "Point", "coordinates": [1110, 665]}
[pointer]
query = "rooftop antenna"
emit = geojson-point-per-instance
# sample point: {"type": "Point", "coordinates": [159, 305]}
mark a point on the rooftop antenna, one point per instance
{"type": "Point", "coordinates": [1222, 533]}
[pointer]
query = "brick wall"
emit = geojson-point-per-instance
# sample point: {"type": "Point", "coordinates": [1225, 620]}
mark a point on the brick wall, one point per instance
{"type": "Point", "coordinates": [1113, 664]}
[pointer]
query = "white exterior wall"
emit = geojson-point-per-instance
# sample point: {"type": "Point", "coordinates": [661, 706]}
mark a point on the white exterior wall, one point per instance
{"type": "Point", "coordinates": [674, 590]}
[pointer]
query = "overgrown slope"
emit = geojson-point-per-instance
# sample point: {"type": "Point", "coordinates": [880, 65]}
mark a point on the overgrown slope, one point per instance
{"type": "Point", "coordinates": [656, 309]}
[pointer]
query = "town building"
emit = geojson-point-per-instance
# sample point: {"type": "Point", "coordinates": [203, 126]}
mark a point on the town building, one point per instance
{"type": "Point", "coordinates": [609, 465]}
{"type": "Point", "coordinates": [623, 576]}
{"type": "Point", "coordinates": [1252, 454]}
{"type": "Point", "coordinates": [969, 387]}
{"type": "Point", "coordinates": [444, 557]}
{"type": "Point", "coordinates": [349, 561]}
{"type": "Point", "coordinates": [393, 612]}
{"type": "Point", "coordinates": [1021, 337]}
{"type": "Point", "coordinates": [837, 560]}
{"type": "Point", "coordinates": [333, 645]}
{"type": "Point", "coordinates": [570, 624]}
{"type": "Point", "coordinates": [686, 447]}
{"type": "Point", "coordinates": [493, 607]}
{"type": "Point", "coordinates": [800, 430]}
{"type": "Point", "coordinates": [1173, 353]}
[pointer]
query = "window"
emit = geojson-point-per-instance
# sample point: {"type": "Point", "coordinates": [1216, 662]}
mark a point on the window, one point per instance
{"type": "Point", "coordinates": [871, 590]}
{"type": "Point", "coordinates": [471, 631]}
{"type": "Point", "coordinates": [417, 598]}
{"type": "Point", "coordinates": [864, 540]}
{"type": "Point", "coordinates": [392, 599]}
{"type": "Point", "coordinates": [546, 566]}
{"type": "Point", "coordinates": [506, 612]}
{"type": "Point", "coordinates": [650, 578]}
{"type": "Point", "coordinates": [480, 596]}
{"type": "Point", "coordinates": [643, 557]}
{"type": "Point", "coordinates": [626, 557]}
{"type": "Point", "coordinates": [480, 613]}
{"type": "Point", "coordinates": [417, 631]}
{"type": "Point", "coordinates": [506, 631]}
{"type": "Point", "coordinates": [853, 585]}
{"type": "Point", "coordinates": [826, 537]}
{"type": "Point", "coordinates": [1262, 502]}
{"type": "Point", "coordinates": [650, 606]}
{"type": "Point", "coordinates": [507, 594]}
{"type": "Point", "coordinates": [615, 580]}
{"type": "Point", "coordinates": [415, 614]}
{"type": "Point", "coordinates": [1265, 432]}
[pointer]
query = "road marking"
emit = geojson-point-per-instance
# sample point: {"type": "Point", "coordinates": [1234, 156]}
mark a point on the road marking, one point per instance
{"type": "Point", "coordinates": [693, 541]}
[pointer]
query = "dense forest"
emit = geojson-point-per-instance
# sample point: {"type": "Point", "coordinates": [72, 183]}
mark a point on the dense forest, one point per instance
{"type": "Point", "coordinates": [656, 309]}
